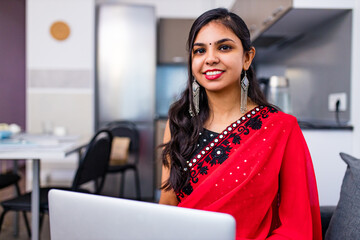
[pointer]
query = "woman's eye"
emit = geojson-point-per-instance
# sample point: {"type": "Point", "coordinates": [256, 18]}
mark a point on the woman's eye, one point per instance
{"type": "Point", "coordinates": [199, 50]}
{"type": "Point", "coordinates": [224, 47]}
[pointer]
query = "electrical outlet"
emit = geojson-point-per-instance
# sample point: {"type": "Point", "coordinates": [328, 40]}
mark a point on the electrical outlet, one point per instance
{"type": "Point", "coordinates": [333, 98]}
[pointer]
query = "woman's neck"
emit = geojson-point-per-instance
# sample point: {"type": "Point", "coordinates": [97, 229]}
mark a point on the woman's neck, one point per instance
{"type": "Point", "coordinates": [224, 109]}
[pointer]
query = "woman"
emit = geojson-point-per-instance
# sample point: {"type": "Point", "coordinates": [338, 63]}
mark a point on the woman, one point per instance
{"type": "Point", "coordinates": [226, 149]}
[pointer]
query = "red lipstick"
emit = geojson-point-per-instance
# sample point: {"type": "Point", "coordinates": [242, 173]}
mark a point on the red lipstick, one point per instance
{"type": "Point", "coordinates": [213, 74]}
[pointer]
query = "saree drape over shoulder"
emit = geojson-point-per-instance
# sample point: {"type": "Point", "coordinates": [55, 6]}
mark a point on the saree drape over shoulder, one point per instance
{"type": "Point", "coordinates": [259, 170]}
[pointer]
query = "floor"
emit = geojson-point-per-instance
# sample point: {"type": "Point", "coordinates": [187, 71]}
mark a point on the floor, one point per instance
{"type": "Point", "coordinates": [7, 231]}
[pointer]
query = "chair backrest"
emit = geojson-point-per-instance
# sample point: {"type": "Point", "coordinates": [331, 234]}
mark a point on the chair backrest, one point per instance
{"type": "Point", "coordinates": [94, 162]}
{"type": "Point", "coordinates": [8, 179]}
{"type": "Point", "coordinates": [127, 129]}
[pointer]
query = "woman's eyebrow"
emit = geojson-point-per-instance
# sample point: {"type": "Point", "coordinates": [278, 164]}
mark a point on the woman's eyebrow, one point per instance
{"type": "Point", "coordinates": [199, 44]}
{"type": "Point", "coordinates": [223, 40]}
{"type": "Point", "coordinates": [216, 43]}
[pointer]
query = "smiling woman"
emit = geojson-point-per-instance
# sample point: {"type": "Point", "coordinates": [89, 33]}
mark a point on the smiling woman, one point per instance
{"type": "Point", "coordinates": [218, 59]}
{"type": "Point", "coordinates": [226, 149]}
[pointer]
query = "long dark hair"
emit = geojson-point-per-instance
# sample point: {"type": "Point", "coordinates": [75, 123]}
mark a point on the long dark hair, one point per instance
{"type": "Point", "coordinates": [185, 129]}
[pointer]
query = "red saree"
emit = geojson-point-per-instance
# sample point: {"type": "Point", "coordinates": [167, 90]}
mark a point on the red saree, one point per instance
{"type": "Point", "coordinates": [259, 170]}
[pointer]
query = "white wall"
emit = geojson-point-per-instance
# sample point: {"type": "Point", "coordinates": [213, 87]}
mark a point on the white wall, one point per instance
{"type": "Point", "coordinates": [340, 4]}
{"type": "Point", "coordinates": [44, 52]}
{"type": "Point", "coordinates": [177, 8]}
{"type": "Point", "coordinates": [60, 76]}
{"type": "Point", "coordinates": [325, 146]}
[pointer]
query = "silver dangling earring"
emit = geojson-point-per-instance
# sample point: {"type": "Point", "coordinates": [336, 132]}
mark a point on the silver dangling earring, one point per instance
{"type": "Point", "coordinates": [244, 83]}
{"type": "Point", "coordinates": [196, 99]}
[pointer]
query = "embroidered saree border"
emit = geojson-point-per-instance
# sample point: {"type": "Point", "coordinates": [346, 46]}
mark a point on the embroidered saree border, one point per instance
{"type": "Point", "coordinates": [218, 150]}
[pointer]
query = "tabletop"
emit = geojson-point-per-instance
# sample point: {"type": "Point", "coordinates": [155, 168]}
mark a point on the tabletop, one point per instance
{"type": "Point", "coordinates": [40, 146]}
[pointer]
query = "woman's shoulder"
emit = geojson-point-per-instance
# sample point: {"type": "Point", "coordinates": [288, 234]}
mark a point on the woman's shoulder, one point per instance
{"type": "Point", "coordinates": [281, 117]}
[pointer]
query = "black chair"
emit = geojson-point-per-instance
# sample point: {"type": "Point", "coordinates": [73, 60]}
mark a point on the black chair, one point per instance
{"type": "Point", "coordinates": [92, 167]}
{"type": "Point", "coordinates": [7, 180]}
{"type": "Point", "coordinates": [127, 129]}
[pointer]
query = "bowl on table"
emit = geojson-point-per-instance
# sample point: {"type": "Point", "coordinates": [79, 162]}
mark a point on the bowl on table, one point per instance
{"type": "Point", "coordinates": [5, 134]}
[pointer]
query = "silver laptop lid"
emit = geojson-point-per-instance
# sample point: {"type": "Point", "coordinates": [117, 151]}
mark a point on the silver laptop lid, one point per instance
{"type": "Point", "coordinates": [86, 216]}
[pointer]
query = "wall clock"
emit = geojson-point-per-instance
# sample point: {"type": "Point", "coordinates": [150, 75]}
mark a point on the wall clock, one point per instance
{"type": "Point", "coordinates": [60, 30]}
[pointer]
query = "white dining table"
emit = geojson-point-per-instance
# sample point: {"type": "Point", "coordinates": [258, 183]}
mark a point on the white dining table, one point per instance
{"type": "Point", "coordinates": [36, 147]}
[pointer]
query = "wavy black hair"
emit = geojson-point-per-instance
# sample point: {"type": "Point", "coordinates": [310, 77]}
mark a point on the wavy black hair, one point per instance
{"type": "Point", "coordinates": [185, 129]}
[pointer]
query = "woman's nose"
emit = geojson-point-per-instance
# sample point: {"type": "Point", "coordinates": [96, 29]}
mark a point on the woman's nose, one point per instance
{"type": "Point", "coordinates": [211, 58]}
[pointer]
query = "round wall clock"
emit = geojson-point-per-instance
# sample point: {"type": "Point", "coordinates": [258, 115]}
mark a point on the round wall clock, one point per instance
{"type": "Point", "coordinates": [60, 30]}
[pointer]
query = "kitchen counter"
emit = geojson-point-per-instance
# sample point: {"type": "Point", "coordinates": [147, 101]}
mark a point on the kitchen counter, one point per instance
{"type": "Point", "coordinates": [323, 126]}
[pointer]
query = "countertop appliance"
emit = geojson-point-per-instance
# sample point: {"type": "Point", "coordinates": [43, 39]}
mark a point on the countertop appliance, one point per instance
{"type": "Point", "coordinates": [279, 93]}
{"type": "Point", "coordinates": [125, 77]}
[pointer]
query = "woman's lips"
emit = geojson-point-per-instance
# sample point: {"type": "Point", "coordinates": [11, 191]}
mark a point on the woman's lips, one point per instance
{"type": "Point", "coordinates": [213, 74]}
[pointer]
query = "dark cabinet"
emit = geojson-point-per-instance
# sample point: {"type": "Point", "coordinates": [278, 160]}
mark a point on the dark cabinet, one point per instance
{"type": "Point", "coordinates": [172, 37]}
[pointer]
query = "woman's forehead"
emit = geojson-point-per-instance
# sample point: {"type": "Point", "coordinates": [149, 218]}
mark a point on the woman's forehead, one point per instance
{"type": "Point", "coordinates": [214, 31]}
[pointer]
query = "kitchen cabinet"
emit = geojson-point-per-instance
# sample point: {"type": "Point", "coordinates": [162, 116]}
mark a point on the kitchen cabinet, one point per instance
{"type": "Point", "coordinates": [259, 15]}
{"type": "Point", "coordinates": [172, 37]}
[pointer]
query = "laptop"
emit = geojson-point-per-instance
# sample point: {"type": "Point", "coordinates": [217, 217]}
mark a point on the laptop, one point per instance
{"type": "Point", "coordinates": [85, 216]}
